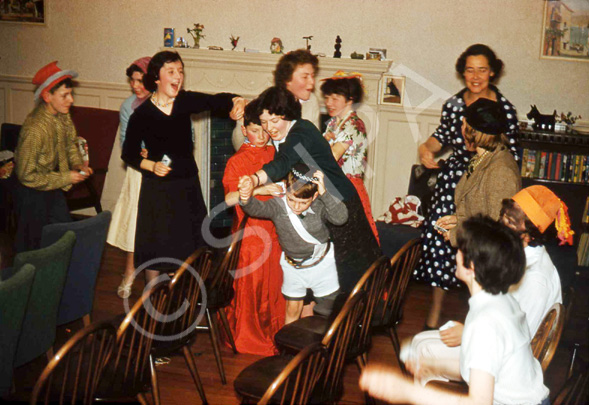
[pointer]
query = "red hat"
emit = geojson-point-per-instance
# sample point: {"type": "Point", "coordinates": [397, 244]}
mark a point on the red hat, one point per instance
{"type": "Point", "coordinates": [48, 76]}
{"type": "Point", "coordinates": [142, 63]}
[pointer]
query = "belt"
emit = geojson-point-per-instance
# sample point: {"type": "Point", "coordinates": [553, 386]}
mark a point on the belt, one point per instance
{"type": "Point", "coordinates": [298, 263]}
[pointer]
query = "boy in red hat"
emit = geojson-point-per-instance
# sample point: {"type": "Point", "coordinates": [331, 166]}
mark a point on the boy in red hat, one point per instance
{"type": "Point", "coordinates": [47, 158]}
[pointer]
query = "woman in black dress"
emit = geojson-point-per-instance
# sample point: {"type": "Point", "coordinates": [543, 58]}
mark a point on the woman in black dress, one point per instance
{"type": "Point", "coordinates": [171, 206]}
{"type": "Point", "coordinates": [478, 66]}
{"type": "Point", "coordinates": [295, 140]}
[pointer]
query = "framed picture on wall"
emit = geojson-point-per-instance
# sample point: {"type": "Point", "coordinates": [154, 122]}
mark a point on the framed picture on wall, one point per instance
{"type": "Point", "coordinates": [565, 30]}
{"type": "Point", "coordinates": [22, 11]}
{"type": "Point", "coordinates": [392, 89]}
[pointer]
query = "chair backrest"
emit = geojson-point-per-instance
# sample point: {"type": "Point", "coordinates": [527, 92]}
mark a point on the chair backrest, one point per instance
{"type": "Point", "coordinates": [402, 265]}
{"type": "Point", "coordinates": [185, 295]}
{"type": "Point", "coordinates": [222, 279]}
{"type": "Point", "coordinates": [51, 264]}
{"type": "Point", "coordinates": [78, 293]}
{"type": "Point", "coordinates": [14, 295]}
{"type": "Point", "coordinates": [73, 375]}
{"type": "Point", "coordinates": [128, 365]}
{"type": "Point", "coordinates": [337, 340]}
{"type": "Point", "coordinates": [548, 335]}
{"type": "Point", "coordinates": [9, 136]}
{"type": "Point", "coordinates": [295, 384]}
{"type": "Point", "coordinates": [372, 283]}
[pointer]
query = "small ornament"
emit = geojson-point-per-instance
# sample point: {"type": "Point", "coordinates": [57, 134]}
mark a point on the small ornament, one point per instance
{"type": "Point", "coordinates": [197, 34]}
{"type": "Point", "coordinates": [276, 45]}
{"type": "Point", "coordinates": [181, 43]}
{"type": "Point", "coordinates": [234, 41]}
{"type": "Point", "coordinates": [337, 46]}
{"type": "Point", "coordinates": [356, 55]}
{"type": "Point", "coordinates": [307, 39]}
{"type": "Point", "coordinates": [169, 37]}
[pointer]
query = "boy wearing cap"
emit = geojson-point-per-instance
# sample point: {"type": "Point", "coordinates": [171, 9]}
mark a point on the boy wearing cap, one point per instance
{"type": "Point", "coordinates": [47, 158]}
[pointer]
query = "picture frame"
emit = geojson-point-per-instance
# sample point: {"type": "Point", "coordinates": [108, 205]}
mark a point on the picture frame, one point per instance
{"type": "Point", "coordinates": [565, 30]}
{"type": "Point", "coordinates": [392, 90]}
{"type": "Point", "coordinates": [23, 11]}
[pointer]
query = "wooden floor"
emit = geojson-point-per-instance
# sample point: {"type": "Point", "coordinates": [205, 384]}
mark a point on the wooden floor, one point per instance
{"type": "Point", "coordinates": [175, 381]}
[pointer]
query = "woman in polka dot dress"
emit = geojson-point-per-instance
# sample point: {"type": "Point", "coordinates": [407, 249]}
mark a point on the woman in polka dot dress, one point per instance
{"type": "Point", "coordinates": [479, 66]}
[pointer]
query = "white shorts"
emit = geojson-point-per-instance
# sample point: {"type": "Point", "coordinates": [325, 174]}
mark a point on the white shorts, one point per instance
{"type": "Point", "coordinates": [322, 278]}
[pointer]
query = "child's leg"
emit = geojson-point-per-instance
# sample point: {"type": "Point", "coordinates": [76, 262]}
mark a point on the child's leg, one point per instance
{"type": "Point", "coordinates": [293, 310]}
{"type": "Point", "coordinates": [325, 304]}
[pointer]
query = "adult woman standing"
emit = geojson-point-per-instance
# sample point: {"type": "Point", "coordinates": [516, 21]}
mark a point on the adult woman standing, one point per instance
{"type": "Point", "coordinates": [122, 229]}
{"type": "Point", "coordinates": [478, 66]}
{"type": "Point", "coordinates": [297, 139]}
{"type": "Point", "coordinates": [346, 132]}
{"type": "Point", "coordinates": [171, 206]}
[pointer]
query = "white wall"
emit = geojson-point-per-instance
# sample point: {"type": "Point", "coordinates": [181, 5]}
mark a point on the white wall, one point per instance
{"type": "Point", "coordinates": [99, 38]}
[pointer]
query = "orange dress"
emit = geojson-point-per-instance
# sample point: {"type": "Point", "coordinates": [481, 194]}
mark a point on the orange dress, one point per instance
{"type": "Point", "coordinates": [258, 308]}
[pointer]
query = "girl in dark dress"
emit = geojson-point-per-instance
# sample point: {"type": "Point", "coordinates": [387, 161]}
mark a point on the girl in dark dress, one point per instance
{"type": "Point", "coordinates": [478, 66]}
{"type": "Point", "coordinates": [171, 206]}
{"type": "Point", "coordinates": [295, 140]}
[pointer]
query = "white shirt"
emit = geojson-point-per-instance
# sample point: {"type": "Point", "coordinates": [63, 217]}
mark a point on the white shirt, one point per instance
{"type": "Point", "coordinates": [539, 288]}
{"type": "Point", "coordinates": [496, 340]}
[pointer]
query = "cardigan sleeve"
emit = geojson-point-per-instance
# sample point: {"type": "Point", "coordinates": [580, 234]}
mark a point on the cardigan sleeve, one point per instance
{"type": "Point", "coordinates": [132, 146]}
{"type": "Point", "coordinates": [260, 209]}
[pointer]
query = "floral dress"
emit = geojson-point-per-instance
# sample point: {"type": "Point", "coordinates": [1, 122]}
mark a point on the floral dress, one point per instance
{"type": "Point", "coordinates": [438, 258]}
{"type": "Point", "coordinates": [351, 131]}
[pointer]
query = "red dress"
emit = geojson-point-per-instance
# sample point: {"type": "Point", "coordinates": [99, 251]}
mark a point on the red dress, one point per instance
{"type": "Point", "coordinates": [257, 311]}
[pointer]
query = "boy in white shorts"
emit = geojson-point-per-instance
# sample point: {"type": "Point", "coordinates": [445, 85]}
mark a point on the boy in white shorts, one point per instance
{"type": "Point", "coordinates": [300, 217]}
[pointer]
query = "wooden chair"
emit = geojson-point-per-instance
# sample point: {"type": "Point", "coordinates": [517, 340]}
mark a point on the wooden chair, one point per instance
{"type": "Point", "coordinates": [298, 334]}
{"type": "Point", "coordinates": [73, 375]}
{"type": "Point", "coordinates": [127, 375]}
{"type": "Point", "coordinates": [546, 339]}
{"type": "Point", "coordinates": [575, 390]}
{"type": "Point", "coordinates": [336, 343]}
{"type": "Point", "coordinates": [389, 313]}
{"type": "Point", "coordinates": [296, 380]}
{"type": "Point", "coordinates": [220, 293]}
{"type": "Point", "coordinates": [177, 331]}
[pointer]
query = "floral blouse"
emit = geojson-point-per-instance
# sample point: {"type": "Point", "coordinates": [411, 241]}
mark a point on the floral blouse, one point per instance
{"type": "Point", "coordinates": [350, 130]}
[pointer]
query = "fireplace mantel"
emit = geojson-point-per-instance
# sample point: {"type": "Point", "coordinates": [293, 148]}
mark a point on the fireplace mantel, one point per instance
{"type": "Point", "coordinates": [248, 74]}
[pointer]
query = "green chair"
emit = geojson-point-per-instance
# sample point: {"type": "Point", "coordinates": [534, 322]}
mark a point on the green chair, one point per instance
{"type": "Point", "coordinates": [14, 295]}
{"type": "Point", "coordinates": [38, 329]}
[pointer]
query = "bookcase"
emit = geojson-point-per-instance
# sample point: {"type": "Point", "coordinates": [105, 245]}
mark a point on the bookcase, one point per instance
{"type": "Point", "coordinates": [559, 161]}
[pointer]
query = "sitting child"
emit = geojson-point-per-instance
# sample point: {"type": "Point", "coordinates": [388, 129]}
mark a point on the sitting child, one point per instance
{"type": "Point", "coordinates": [529, 212]}
{"type": "Point", "coordinates": [496, 358]}
{"type": "Point", "coordinates": [300, 218]}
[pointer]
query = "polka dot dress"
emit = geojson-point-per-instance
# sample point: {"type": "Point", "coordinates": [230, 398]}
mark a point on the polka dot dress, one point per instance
{"type": "Point", "coordinates": [438, 258]}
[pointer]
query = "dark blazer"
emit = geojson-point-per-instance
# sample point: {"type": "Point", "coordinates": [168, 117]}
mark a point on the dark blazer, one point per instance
{"type": "Point", "coordinates": [305, 143]}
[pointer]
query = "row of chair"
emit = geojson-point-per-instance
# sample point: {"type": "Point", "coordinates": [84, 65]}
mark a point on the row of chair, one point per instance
{"type": "Point", "coordinates": [48, 287]}
{"type": "Point", "coordinates": [325, 346]}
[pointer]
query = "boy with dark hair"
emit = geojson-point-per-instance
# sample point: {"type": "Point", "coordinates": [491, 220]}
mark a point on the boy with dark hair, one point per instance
{"type": "Point", "coordinates": [496, 358]}
{"type": "Point", "coordinates": [47, 158]}
{"type": "Point", "coordinates": [300, 218]}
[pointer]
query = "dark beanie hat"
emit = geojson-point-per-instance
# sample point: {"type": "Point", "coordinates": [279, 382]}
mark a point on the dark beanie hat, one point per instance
{"type": "Point", "coordinates": [486, 116]}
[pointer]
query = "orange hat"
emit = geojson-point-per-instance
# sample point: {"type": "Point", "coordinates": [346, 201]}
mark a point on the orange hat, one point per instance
{"type": "Point", "coordinates": [543, 207]}
{"type": "Point", "coordinates": [340, 74]}
{"type": "Point", "coordinates": [48, 76]}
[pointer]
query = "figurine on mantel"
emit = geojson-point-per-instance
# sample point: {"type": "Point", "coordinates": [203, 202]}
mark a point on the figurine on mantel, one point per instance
{"type": "Point", "coordinates": [234, 41]}
{"type": "Point", "coordinates": [337, 46]}
{"type": "Point", "coordinates": [542, 121]}
{"type": "Point", "coordinates": [307, 39]}
{"type": "Point", "coordinates": [276, 46]}
{"type": "Point", "coordinates": [197, 34]}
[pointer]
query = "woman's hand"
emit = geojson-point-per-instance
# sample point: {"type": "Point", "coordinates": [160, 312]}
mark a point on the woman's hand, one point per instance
{"type": "Point", "coordinates": [320, 181]}
{"type": "Point", "coordinates": [245, 188]}
{"type": "Point", "coordinates": [329, 136]}
{"type": "Point", "coordinates": [447, 222]}
{"type": "Point", "coordinates": [273, 189]}
{"type": "Point", "coordinates": [427, 151]}
{"type": "Point", "coordinates": [452, 337]}
{"type": "Point", "coordinates": [144, 153]}
{"type": "Point", "coordinates": [161, 169]}
{"type": "Point", "coordinates": [239, 104]}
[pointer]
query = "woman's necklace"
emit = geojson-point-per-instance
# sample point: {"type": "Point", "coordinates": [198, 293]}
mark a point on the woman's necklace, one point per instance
{"type": "Point", "coordinates": [474, 162]}
{"type": "Point", "coordinates": [161, 105]}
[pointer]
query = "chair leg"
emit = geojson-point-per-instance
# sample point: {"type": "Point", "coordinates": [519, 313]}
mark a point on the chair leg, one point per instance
{"type": "Point", "coordinates": [360, 363]}
{"type": "Point", "coordinates": [225, 323]}
{"type": "Point", "coordinates": [155, 390]}
{"type": "Point", "coordinates": [214, 335]}
{"type": "Point", "coordinates": [86, 320]}
{"type": "Point", "coordinates": [193, 371]}
{"type": "Point", "coordinates": [141, 399]}
{"type": "Point", "coordinates": [396, 346]}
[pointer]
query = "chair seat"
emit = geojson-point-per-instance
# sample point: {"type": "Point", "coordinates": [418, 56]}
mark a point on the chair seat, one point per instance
{"type": "Point", "coordinates": [302, 333]}
{"type": "Point", "coordinates": [254, 380]}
